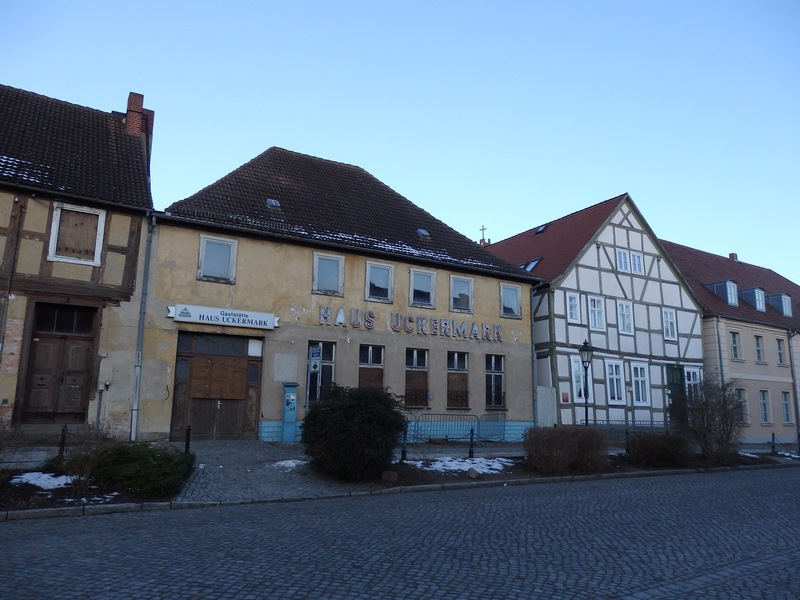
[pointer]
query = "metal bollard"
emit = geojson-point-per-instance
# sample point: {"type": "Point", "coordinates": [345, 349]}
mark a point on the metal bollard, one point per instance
{"type": "Point", "coordinates": [188, 438]}
{"type": "Point", "coordinates": [62, 444]}
{"type": "Point", "coordinates": [773, 443]}
{"type": "Point", "coordinates": [403, 452]}
{"type": "Point", "coordinates": [472, 442]}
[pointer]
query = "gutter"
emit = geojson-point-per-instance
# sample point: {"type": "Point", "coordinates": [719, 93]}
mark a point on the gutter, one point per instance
{"type": "Point", "coordinates": [792, 333]}
{"type": "Point", "coordinates": [719, 351]}
{"type": "Point", "coordinates": [137, 378]}
{"type": "Point", "coordinates": [534, 395]}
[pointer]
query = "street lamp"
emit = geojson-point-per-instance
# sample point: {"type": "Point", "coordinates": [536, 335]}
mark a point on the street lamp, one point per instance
{"type": "Point", "coordinates": [586, 352]}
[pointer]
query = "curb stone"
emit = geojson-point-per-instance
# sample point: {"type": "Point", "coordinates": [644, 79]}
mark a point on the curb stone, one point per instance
{"type": "Point", "coordinates": [104, 509]}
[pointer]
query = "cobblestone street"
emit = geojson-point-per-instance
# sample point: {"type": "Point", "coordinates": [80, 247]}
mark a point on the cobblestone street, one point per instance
{"type": "Point", "coordinates": [728, 535]}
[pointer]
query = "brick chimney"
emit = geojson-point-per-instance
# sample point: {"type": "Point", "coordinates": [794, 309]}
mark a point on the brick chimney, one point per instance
{"type": "Point", "coordinates": [734, 257]}
{"type": "Point", "coordinates": [139, 121]}
{"type": "Point", "coordinates": [134, 118]}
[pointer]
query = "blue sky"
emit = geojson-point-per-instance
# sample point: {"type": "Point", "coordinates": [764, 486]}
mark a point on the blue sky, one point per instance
{"type": "Point", "coordinates": [504, 115]}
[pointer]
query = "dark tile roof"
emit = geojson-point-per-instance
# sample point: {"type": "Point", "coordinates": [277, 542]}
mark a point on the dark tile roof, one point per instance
{"type": "Point", "coordinates": [70, 151]}
{"type": "Point", "coordinates": [331, 204]}
{"type": "Point", "coordinates": [558, 243]}
{"type": "Point", "coordinates": [703, 268]}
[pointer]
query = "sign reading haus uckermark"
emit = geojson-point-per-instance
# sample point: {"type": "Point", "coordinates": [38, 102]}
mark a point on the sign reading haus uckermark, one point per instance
{"type": "Point", "coordinates": [210, 315]}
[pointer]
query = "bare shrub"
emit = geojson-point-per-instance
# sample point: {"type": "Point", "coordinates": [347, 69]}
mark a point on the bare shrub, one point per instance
{"type": "Point", "coordinates": [566, 449]}
{"type": "Point", "coordinates": [713, 420]}
{"type": "Point", "coordinates": [658, 450]}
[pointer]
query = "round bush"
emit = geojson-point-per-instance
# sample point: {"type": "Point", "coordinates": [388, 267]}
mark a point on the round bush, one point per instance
{"type": "Point", "coordinates": [352, 432]}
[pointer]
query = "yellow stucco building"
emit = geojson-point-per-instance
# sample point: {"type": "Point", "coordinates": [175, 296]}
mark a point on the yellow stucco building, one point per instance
{"type": "Point", "coordinates": [293, 272]}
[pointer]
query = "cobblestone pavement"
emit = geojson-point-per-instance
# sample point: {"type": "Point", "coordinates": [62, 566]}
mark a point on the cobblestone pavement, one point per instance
{"type": "Point", "coordinates": [730, 535]}
{"type": "Point", "coordinates": [240, 471]}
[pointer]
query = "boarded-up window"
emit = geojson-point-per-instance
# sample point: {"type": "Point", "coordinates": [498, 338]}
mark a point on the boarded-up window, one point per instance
{"type": "Point", "coordinates": [457, 380]}
{"type": "Point", "coordinates": [77, 234]}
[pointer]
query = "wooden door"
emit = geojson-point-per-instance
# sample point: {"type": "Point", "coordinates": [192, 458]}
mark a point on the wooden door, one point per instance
{"type": "Point", "coordinates": [217, 388]}
{"type": "Point", "coordinates": [59, 376]}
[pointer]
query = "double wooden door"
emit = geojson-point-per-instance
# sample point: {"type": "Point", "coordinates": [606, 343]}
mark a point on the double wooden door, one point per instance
{"type": "Point", "coordinates": [217, 388]}
{"type": "Point", "coordinates": [58, 386]}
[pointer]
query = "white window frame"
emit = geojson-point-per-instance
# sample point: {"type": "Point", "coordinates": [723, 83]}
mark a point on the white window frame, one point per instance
{"type": "Point", "coordinates": [96, 261]}
{"type": "Point", "coordinates": [577, 380]}
{"type": "Point", "coordinates": [640, 376]}
{"type": "Point", "coordinates": [623, 260]}
{"type": "Point", "coordinates": [376, 266]}
{"type": "Point", "coordinates": [758, 341]}
{"type": "Point", "coordinates": [781, 351]}
{"type": "Point", "coordinates": [786, 304]}
{"type": "Point", "coordinates": [517, 292]}
{"type": "Point", "coordinates": [625, 317]}
{"type": "Point", "coordinates": [732, 292]}
{"type": "Point", "coordinates": [597, 313]}
{"type": "Point", "coordinates": [210, 240]}
{"type": "Point", "coordinates": [693, 377]}
{"type": "Point", "coordinates": [761, 305]}
{"type": "Point", "coordinates": [573, 307]}
{"type": "Point", "coordinates": [741, 401]}
{"type": "Point", "coordinates": [457, 279]}
{"type": "Point", "coordinates": [414, 273]}
{"type": "Point", "coordinates": [340, 274]}
{"type": "Point", "coordinates": [736, 353]}
{"type": "Point", "coordinates": [615, 382]}
{"type": "Point", "coordinates": [763, 406]}
{"type": "Point", "coordinates": [670, 320]}
{"type": "Point", "coordinates": [637, 263]}
{"type": "Point", "coordinates": [786, 405]}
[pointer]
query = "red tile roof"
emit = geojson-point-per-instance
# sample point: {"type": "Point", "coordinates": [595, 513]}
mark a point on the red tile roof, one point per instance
{"type": "Point", "coordinates": [558, 243]}
{"type": "Point", "coordinates": [332, 204]}
{"type": "Point", "coordinates": [703, 268]}
{"type": "Point", "coordinates": [70, 151]}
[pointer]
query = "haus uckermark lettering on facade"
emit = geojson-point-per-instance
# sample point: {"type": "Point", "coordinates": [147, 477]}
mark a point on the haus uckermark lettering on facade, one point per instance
{"type": "Point", "coordinates": [432, 326]}
{"type": "Point", "coordinates": [188, 313]}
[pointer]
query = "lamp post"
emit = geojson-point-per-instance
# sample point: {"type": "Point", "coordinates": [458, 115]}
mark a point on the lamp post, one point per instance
{"type": "Point", "coordinates": [586, 352]}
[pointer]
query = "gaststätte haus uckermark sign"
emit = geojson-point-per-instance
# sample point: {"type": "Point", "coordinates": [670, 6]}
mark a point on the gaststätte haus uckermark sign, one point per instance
{"type": "Point", "coordinates": [231, 317]}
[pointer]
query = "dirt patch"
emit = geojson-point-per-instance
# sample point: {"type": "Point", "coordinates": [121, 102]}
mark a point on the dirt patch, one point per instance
{"type": "Point", "coordinates": [27, 496]}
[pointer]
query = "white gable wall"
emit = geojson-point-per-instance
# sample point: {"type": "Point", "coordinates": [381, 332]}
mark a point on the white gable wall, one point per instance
{"type": "Point", "coordinates": [596, 277]}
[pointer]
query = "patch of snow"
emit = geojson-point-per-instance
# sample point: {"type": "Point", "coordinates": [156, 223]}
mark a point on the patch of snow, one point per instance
{"type": "Point", "coordinates": [445, 464]}
{"type": "Point", "coordinates": [46, 481]}
{"type": "Point", "coordinates": [748, 454]}
{"type": "Point", "coordinates": [788, 454]}
{"type": "Point", "coordinates": [289, 465]}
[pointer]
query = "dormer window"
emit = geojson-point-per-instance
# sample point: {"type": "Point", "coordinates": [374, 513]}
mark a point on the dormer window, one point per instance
{"type": "Point", "coordinates": [727, 290]}
{"type": "Point", "coordinates": [760, 305]}
{"type": "Point", "coordinates": [732, 293]}
{"type": "Point", "coordinates": [755, 298]}
{"type": "Point", "coordinates": [782, 303]}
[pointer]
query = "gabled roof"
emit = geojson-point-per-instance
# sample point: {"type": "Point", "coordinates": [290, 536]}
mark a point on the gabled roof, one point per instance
{"type": "Point", "coordinates": [70, 151]}
{"type": "Point", "coordinates": [558, 243]}
{"type": "Point", "coordinates": [703, 268]}
{"type": "Point", "coordinates": [301, 198]}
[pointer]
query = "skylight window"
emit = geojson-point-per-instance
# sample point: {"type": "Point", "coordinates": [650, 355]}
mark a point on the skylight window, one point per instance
{"type": "Point", "coordinates": [272, 203]}
{"type": "Point", "coordinates": [541, 228]}
{"type": "Point", "coordinates": [423, 233]}
{"type": "Point", "coordinates": [531, 265]}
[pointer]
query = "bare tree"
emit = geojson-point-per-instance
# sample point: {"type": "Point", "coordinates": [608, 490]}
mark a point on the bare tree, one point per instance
{"type": "Point", "coordinates": [713, 418]}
